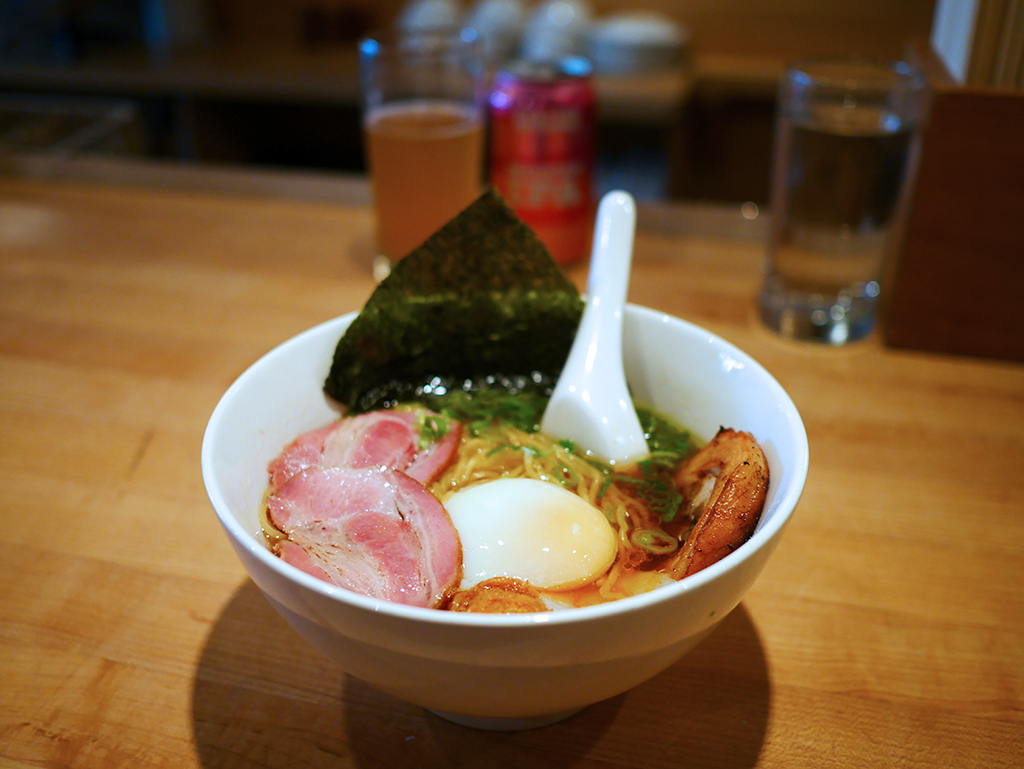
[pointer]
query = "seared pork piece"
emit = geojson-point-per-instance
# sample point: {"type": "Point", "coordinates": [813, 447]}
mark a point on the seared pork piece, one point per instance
{"type": "Point", "coordinates": [726, 483]}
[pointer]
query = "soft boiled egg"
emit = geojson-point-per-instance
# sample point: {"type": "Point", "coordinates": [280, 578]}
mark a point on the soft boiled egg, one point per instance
{"type": "Point", "coordinates": [532, 530]}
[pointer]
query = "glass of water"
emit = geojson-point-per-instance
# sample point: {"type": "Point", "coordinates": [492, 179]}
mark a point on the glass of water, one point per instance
{"type": "Point", "coordinates": [846, 137]}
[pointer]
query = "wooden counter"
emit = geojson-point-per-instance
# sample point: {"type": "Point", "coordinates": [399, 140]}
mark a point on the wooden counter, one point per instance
{"type": "Point", "coordinates": [888, 630]}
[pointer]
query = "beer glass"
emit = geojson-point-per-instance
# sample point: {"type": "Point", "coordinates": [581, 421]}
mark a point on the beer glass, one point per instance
{"type": "Point", "coordinates": [424, 95]}
{"type": "Point", "coordinates": [846, 134]}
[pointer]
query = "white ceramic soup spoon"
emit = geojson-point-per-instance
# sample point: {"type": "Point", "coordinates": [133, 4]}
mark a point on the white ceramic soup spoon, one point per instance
{"type": "Point", "coordinates": [591, 405]}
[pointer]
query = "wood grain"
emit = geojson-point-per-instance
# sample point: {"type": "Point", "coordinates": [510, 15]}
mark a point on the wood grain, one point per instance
{"type": "Point", "coordinates": [888, 630]}
{"type": "Point", "coordinates": [956, 282]}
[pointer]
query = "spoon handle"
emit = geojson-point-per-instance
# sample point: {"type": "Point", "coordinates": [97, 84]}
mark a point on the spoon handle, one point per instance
{"type": "Point", "coordinates": [614, 233]}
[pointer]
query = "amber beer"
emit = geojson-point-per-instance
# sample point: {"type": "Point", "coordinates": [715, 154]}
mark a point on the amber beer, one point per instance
{"type": "Point", "coordinates": [423, 115]}
{"type": "Point", "coordinates": [426, 163]}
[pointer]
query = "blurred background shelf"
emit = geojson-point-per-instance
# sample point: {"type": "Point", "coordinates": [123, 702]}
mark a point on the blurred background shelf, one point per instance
{"type": "Point", "coordinates": [270, 83]}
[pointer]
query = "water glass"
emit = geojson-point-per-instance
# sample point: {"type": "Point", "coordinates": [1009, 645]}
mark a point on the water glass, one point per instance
{"type": "Point", "coordinates": [846, 137]}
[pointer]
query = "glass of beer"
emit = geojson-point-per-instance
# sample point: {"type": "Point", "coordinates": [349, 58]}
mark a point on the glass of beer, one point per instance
{"type": "Point", "coordinates": [424, 95]}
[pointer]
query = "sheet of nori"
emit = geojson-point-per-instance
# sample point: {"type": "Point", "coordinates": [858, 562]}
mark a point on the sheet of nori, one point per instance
{"type": "Point", "coordinates": [482, 297]}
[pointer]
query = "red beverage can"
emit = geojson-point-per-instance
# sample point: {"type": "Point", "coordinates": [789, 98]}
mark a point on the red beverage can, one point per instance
{"type": "Point", "coordinates": [543, 146]}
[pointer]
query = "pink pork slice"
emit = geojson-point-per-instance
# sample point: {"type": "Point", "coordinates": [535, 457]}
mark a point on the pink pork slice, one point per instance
{"type": "Point", "coordinates": [373, 531]}
{"type": "Point", "coordinates": [376, 439]}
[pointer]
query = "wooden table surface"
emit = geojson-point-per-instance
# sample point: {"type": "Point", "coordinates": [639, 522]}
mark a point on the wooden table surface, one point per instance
{"type": "Point", "coordinates": [888, 629]}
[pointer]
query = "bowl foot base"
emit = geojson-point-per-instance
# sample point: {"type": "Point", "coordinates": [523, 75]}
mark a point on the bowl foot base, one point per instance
{"type": "Point", "coordinates": [505, 724]}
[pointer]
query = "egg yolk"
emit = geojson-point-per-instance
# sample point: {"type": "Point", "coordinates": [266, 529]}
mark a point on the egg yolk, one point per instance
{"type": "Point", "coordinates": [532, 530]}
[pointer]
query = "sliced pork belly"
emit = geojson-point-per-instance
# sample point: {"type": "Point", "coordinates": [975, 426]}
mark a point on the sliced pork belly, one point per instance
{"type": "Point", "coordinates": [430, 462]}
{"type": "Point", "coordinates": [371, 530]}
{"type": "Point", "coordinates": [305, 451]}
{"type": "Point", "coordinates": [383, 438]}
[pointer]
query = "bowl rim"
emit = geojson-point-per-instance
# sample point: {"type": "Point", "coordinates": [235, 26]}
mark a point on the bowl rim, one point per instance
{"type": "Point", "coordinates": [764, 533]}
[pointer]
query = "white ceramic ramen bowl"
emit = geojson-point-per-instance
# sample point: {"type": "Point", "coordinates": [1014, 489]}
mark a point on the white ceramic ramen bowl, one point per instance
{"type": "Point", "coordinates": [507, 671]}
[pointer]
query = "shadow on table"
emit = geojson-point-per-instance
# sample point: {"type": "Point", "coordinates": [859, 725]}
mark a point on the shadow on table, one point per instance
{"type": "Point", "coordinates": [262, 697]}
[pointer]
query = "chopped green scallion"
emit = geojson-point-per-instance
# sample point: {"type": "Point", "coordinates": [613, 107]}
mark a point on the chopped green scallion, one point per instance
{"type": "Point", "coordinates": [654, 541]}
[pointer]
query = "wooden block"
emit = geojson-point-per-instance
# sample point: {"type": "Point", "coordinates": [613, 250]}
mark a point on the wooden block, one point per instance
{"type": "Point", "coordinates": [957, 285]}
